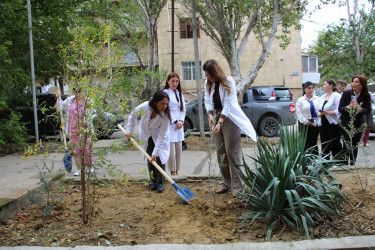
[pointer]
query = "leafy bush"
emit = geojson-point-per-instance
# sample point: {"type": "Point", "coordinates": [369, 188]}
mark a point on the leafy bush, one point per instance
{"type": "Point", "coordinates": [289, 185]}
{"type": "Point", "coordinates": [12, 133]}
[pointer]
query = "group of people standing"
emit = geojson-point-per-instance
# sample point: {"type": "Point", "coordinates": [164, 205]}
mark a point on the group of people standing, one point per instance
{"type": "Point", "coordinates": [161, 130]}
{"type": "Point", "coordinates": [330, 116]}
{"type": "Point", "coordinates": [161, 126]}
{"type": "Point", "coordinates": [162, 119]}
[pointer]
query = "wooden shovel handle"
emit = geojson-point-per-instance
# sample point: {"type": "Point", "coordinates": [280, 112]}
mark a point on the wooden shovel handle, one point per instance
{"type": "Point", "coordinates": [59, 100]}
{"type": "Point", "coordinates": [147, 156]}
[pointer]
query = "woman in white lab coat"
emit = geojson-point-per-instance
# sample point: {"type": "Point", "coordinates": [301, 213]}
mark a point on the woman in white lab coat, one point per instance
{"type": "Point", "coordinates": [176, 129]}
{"type": "Point", "coordinates": [227, 120]}
{"type": "Point", "coordinates": [328, 122]}
{"type": "Point", "coordinates": [153, 134]}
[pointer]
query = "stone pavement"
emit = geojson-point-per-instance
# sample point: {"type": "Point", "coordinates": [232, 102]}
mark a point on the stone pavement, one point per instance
{"type": "Point", "coordinates": [19, 175]}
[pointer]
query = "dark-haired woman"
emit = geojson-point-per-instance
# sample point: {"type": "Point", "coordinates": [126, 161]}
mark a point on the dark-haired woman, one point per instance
{"type": "Point", "coordinates": [176, 129]}
{"type": "Point", "coordinates": [306, 109]}
{"type": "Point", "coordinates": [227, 120]}
{"type": "Point", "coordinates": [153, 133]}
{"type": "Point", "coordinates": [357, 100]}
{"type": "Point", "coordinates": [328, 121]}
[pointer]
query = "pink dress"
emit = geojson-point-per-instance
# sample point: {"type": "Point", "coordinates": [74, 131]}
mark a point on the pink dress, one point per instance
{"type": "Point", "coordinates": [77, 140]}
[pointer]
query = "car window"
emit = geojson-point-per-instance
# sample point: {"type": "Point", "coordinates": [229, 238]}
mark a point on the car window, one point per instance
{"type": "Point", "coordinates": [261, 93]}
{"type": "Point", "coordinates": [282, 93]}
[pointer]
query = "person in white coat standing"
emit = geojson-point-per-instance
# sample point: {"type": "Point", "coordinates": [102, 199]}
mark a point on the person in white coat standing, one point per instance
{"type": "Point", "coordinates": [227, 120]}
{"type": "Point", "coordinates": [176, 129]}
{"type": "Point", "coordinates": [328, 120]}
{"type": "Point", "coordinates": [153, 134]}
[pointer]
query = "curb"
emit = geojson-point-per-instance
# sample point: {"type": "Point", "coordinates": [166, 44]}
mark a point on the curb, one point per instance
{"type": "Point", "coordinates": [9, 208]}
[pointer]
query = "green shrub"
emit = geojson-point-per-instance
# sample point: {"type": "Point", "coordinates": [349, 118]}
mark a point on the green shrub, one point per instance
{"type": "Point", "coordinates": [13, 133]}
{"type": "Point", "coordinates": [289, 186]}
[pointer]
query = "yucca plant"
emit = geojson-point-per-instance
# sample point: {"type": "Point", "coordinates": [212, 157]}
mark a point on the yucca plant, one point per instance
{"type": "Point", "coordinates": [289, 185]}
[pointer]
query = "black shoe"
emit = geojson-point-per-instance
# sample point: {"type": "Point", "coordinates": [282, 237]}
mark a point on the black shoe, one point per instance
{"type": "Point", "coordinates": [184, 146]}
{"type": "Point", "coordinates": [160, 187]}
{"type": "Point", "coordinates": [153, 186]}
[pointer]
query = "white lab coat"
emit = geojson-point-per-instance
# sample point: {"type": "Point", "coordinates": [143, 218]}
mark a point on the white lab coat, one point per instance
{"type": "Point", "coordinates": [157, 128]}
{"type": "Point", "coordinates": [231, 108]}
{"type": "Point", "coordinates": [332, 104]}
{"type": "Point", "coordinates": [303, 109]}
{"type": "Point", "coordinates": [176, 115]}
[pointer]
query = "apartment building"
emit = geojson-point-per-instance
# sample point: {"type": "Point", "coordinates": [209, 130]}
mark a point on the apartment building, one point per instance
{"type": "Point", "coordinates": [282, 67]}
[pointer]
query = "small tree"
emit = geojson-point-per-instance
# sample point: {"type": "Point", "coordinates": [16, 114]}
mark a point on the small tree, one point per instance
{"type": "Point", "coordinates": [86, 67]}
{"type": "Point", "coordinates": [352, 130]}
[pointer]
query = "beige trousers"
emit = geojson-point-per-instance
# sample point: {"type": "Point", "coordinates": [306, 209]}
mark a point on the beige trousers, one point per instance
{"type": "Point", "coordinates": [175, 156]}
{"type": "Point", "coordinates": [228, 149]}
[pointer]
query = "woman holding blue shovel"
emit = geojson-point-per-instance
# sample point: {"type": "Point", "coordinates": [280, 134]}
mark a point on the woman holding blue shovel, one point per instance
{"type": "Point", "coordinates": [153, 134]}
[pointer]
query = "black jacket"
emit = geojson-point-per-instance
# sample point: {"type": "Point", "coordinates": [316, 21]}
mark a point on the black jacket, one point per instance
{"type": "Point", "coordinates": [363, 100]}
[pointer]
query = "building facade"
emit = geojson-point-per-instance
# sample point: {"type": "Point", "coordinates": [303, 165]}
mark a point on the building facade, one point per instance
{"type": "Point", "coordinates": [282, 67]}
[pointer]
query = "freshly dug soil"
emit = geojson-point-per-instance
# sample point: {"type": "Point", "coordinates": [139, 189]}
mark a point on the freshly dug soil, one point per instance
{"type": "Point", "coordinates": [132, 214]}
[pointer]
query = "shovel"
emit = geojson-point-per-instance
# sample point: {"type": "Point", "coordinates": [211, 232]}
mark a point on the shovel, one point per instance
{"type": "Point", "coordinates": [184, 193]}
{"type": "Point", "coordinates": [67, 158]}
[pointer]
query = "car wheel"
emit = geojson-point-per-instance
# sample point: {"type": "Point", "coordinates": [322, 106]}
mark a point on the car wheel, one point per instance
{"type": "Point", "coordinates": [269, 126]}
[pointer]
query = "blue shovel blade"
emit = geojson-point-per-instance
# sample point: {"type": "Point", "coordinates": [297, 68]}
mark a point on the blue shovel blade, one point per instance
{"type": "Point", "coordinates": [184, 193]}
{"type": "Point", "coordinates": [67, 159]}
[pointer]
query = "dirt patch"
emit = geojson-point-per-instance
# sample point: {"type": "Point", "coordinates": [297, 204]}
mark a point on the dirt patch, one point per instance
{"type": "Point", "coordinates": [132, 214]}
{"type": "Point", "coordinates": [197, 143]}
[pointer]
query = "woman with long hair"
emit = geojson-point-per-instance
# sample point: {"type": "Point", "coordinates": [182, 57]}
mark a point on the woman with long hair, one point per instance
{"type": "Point", "coordinates": [178, 111]}
{"type": "Point", "coordinates": [153, 134]}
{"type": "Point", "coordinates": [227, 120]}
{"type": "Point", "coordinates": [328, 121]}
{"type": "Point", "coordinates": [354, 105]}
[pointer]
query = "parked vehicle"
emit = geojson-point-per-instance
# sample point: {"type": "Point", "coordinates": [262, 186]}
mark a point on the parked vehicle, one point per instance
{"type": "Point", "coordinates": [264, 106]}
{"type": "Point", "coordinates": [105, 123]}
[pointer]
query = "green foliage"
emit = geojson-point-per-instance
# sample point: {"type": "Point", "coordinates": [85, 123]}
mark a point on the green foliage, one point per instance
{"type": "Point", "coordinates": [12, 133]}
{"type": "Point", "coordinates": [51, 23]}
{"type": "Point", "coordinates": [336, 49]}
{"type": "Point", "coordinates": [289, 186]}
{"type": "Point", "coordinates": [50, 193]}
{"type": "Point", "coordinates": [135, 25]}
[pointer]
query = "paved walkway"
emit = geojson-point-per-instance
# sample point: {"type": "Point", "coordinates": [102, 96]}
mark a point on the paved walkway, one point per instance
{"type": "Point", "coordinates": [18, 176]}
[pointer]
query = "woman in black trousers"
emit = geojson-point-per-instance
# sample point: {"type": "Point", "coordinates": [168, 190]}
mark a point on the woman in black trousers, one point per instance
{"type": "Point", "coordinates": [329, 115]}
{"type": "Point", "coordinates": [357, 100]}
{"type": "Point", "coordinates": [306, 109]}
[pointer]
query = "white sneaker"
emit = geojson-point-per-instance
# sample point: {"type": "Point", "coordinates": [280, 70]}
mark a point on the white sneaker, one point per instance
{"type": "Point", "coordinates": [90, 170]}
{"type": "Point", "coordinates": [78, 173]}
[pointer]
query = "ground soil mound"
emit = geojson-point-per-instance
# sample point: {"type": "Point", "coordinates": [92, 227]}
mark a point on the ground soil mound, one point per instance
{"type": "Point", "coordinates": [132, 214]}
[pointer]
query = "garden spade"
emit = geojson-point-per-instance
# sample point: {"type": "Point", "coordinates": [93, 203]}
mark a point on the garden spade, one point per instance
{"type": "Point", "coordinates": [184, 193]}
{"type": "Point", "coordinates": [67, 158]}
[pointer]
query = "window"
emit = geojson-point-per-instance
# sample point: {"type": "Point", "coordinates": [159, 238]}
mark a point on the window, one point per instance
{"type": "Point", "coordinates": [312, 64]}
{"type": "Point", "coordinates": [309, 64]}
{"type": "Point", "coordinates": [188, 70]}
{"type": "Point", "coordinates": [186, 29]}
